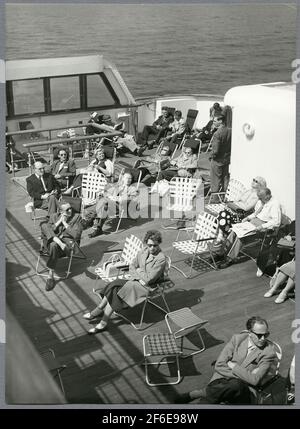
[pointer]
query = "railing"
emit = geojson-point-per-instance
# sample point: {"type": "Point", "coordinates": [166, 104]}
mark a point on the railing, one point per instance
{"type": "Point", "coordinates": [50, 143]}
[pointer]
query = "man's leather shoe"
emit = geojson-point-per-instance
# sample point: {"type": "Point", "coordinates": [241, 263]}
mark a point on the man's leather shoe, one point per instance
{"type": "Point", "coordinates": [50, 284]}
{"type": "Point", "coordinates": [225, 264]}
{"type": "Point", "coordinates": [141, 150]}
{"type": "Point", "coordinates": [95, 232]}
{"type": "Point", "coordinates": [44, 252]}
{"type": "Point", "coordinates": [183, 399]}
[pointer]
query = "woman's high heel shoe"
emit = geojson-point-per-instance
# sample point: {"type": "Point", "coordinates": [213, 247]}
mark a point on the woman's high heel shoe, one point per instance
{"type": "Point", "coordinates": [98, 328]}
{"type": "Point", "coordinates": [97, 312]}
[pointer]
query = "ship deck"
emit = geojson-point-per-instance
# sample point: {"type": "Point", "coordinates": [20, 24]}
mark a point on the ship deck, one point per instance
{"type": "Point", "coordinates": [107, 368]}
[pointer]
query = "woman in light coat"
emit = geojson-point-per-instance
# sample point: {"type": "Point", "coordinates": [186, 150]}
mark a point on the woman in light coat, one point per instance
{"type": "Point", "coordinates": [146, 270]}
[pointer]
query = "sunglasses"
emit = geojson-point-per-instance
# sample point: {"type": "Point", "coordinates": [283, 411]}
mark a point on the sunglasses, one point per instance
{"type": "Point", "coordinates": [62, 154]}
{"type": "Point", "coordinates": [259, 336]}
{"type": "Point", "coordinates": [152, 245]}
{"type": "Point", "coordinates": [255, 181]}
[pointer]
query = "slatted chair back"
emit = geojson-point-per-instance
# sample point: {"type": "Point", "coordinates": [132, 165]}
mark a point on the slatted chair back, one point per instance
{"type": "Point", "coordinates": [92, 184]}
{"type": "Point", "coordinates": [131, 247]}
{"type": "Point", "coordinates": [190, 119]}
{"type": "Point", "coordinates": [206, 227]}
{"type": "Point", "coordinates": [182, 191]}
{"type": "Point", "coordinates": [189, 124]}
{"type": "Point", "coordinates": [234, 190]}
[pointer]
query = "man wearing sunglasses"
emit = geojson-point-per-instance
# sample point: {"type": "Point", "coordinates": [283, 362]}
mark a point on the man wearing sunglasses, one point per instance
{"type": "Point", "coordinates": [58, 235]}
{"type": "Point", "coordinates": [244, 362]}
{"type": "Point", "coordinates": [63, 169]}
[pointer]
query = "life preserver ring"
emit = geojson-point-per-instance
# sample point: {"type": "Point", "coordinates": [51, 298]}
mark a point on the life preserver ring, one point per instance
{"type": "Point", "coordinates": [248, 130]}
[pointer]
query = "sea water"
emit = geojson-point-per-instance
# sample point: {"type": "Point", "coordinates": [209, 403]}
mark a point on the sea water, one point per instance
{"type": "Point", "coordinates": [163, 48]}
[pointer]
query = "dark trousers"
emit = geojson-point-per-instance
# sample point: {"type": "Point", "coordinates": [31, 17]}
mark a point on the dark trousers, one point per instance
{"type": "Point", "coordinates": [232, 391]}
{"type": "Point", "coordinates": [167, 174]}
{"type": "Point", "coordinates": [148, 129]}
{"type": "Point", "coordinates": [111, 293]}
{"type": "Point", "coordinates": [55, 253]}
{"type": "Point", "coordinates": [50, 204]}
{"type": "Point", "coordinates": [219, 177]}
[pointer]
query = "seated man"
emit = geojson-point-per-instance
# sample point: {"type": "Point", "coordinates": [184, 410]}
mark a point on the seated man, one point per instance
{"type": "Point", "coordinates": [151, 165]}
{"type": "Point", "coordinates": [109, 204]}
{"type": "Point", "coordinates": [158, 129]}
{"type": "Point", "coordinates": [63, 169]}
{"type": "Point", "coordinates": [58, 234]}
{"type": "Point", "coordinates": [177, 127]}
{"type": "Point", "coordinates": [43, 188]}
{"type": "Point", "coordinates": [267, 215]}
{"type": "Point", "coordinates": [183, 165]}
{"type": "Point", "coordinates": [245, 361]}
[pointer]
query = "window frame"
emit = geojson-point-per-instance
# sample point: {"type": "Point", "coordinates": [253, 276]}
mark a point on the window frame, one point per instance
{"type": "Point", "coordinates": [82, 81]}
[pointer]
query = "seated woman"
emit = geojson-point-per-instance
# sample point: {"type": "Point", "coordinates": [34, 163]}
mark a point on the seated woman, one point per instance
{"type": "Point", "coordinates": [281, 251]}
{"type": "Point", "coordinates": [100, 164]}
{"type": "Point", "coordinates": [115, 196]}
{"type": "Point", "coordinates": [151, 165]}
{"type": "Point", "coordinates": [266, 216]}
{"type": "Point", "coordinates": [147, 268]}
{"type": "Point", "coordinates": [183, 166]}
{"type": "Point", "coordinates": [285, 274]}
{"type": "Point", "coordinates": [242, 207]}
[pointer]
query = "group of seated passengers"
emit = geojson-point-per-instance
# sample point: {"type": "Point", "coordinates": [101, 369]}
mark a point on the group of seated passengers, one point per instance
{"type": "Point", "coordinates": [163, 127]}
{"type": "Point", "coordinates": [100, 164]}
{"type": "Point", "coordinates": [267, 215]}
{"type": "Point", "coordinates": [64, 225]}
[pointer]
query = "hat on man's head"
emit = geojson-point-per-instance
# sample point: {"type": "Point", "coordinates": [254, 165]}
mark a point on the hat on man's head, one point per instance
{"type": "Point", "coordinates": [261, 181]}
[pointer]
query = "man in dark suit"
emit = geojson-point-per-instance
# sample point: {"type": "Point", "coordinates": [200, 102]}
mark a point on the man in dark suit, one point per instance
{"type": "Point", "coordinates": [58, 235]}
{"type": "Point", "coordinates": [43, 189]}
{"type": "Point", "coordinates": [63, 169]}
{"type": "Point", "coordinates": [244, 362]}
{"type": "Point", "coordinates": [158, 129]}
{"type": "Point", "coordinates": [220, 156]}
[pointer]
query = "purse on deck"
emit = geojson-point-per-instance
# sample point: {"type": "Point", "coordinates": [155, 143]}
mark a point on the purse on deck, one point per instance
{"type": "Point", "coordinates": [286, 244]}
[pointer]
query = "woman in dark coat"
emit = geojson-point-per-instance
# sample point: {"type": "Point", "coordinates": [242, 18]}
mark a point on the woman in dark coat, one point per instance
{"type": "Point", "coordinates": [147, 268]}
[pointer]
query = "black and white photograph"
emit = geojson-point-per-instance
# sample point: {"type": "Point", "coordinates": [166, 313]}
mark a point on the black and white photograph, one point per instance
{"type": "Point", "coordinates": [150, 196]}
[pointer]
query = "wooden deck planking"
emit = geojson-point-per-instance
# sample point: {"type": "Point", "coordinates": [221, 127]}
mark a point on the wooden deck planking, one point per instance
{"type": "Point", "coordinates": [106, 368]}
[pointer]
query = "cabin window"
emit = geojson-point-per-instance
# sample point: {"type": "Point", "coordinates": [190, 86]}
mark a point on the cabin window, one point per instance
{"type": "Point", "coordinates": [64, 93]}
{"type": "Point", "coordinates": [97, 92]}
{"type": "Point", "coordinates": [28, 96]}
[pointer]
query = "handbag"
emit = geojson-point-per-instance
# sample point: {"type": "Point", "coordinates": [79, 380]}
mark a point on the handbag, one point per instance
{"type": "Point", "coordinates": [283, 243]}
{"type": "Point", "coordinates": [113, 267]}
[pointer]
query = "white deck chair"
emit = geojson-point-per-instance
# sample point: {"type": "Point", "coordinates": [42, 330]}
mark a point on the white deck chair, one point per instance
{"type": "Point", "coordinates": [204, 233]}
{"type": "Point", "coordinates": [182, 193]}
{"type": "Point", "coordinates": [114, 266]}
{"type": "Point", "coordinates": [234, 191]}
{"type": "Point", "coordinates": [93, 184]}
